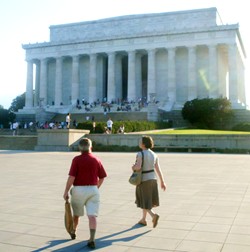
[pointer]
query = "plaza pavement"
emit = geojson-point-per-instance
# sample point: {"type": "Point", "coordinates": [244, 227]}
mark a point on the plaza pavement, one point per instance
{"type": "Point", "coordinates": [206, 206]}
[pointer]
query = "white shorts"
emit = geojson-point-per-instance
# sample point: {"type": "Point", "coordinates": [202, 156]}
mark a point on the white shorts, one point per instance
{"type": "Point", "coordinates": [87, 196]}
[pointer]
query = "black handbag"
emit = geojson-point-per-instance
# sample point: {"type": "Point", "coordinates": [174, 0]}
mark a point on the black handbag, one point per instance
{"type": "Point", "coordinates": [136, 177]}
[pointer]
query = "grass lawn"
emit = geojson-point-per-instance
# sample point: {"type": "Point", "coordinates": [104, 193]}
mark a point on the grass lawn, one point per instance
{"type": "Point", "coordinates": [199, 132]}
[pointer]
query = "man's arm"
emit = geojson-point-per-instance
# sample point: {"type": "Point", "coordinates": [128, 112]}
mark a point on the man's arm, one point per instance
{"type": "Point", "coordinates": [100, 181]}
{"type": "Point", "coordinates": [69, 183]}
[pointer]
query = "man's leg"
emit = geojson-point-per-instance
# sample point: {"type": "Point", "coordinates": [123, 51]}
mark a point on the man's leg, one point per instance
{"type": "Point", "coordinates": [92, 230]}
{"type": "Point", "coordinates": [75, 224]}
{"type": "Point", "coordinates": [92, 227]}
{"type": "Point", "coordinates": [76, 221]}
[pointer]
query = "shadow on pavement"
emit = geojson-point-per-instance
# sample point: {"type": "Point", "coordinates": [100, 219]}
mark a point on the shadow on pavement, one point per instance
{"type": "Point", "coordinates": [101, 242]}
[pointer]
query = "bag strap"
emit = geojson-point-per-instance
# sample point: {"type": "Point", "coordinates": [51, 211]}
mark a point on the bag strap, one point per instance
{"type": "Point", "coordinates": [142, 159]}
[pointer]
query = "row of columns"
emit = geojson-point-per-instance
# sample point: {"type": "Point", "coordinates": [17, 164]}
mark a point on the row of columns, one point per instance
{"type": "Point", "coordinates": [151, 79]}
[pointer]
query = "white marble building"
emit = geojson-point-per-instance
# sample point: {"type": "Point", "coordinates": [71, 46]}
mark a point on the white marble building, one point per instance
{"type": "Point", "coordinates": [176, 56]}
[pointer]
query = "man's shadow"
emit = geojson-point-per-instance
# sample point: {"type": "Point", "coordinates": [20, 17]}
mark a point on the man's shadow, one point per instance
{"type": "Point", "coordinates": [101, 242]}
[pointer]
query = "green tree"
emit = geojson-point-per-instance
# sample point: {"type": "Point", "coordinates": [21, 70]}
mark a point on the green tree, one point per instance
{"type": "Point", "coordinates": [17, 103]}
{"type": "Point", "coordinates": [6, 117]}
{"type": "Point", "coordinates": [208, 113]}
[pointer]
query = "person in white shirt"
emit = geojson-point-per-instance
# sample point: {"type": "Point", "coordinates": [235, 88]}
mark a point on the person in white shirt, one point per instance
{"type": "Point", "coordinates": [68, 120]}
{"type": "Point", "coordinates": [109, 125]}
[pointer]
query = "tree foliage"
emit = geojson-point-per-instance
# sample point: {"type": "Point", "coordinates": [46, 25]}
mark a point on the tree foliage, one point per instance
{"type": "Point", "coordinates": [6, 117]}
{"type": "Point", "coordinates": [208, 113]}
{"type": "Point", "coordinates": [17, 103]}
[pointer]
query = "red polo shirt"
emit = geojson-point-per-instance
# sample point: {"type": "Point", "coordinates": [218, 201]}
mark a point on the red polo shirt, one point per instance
{"type": "Point", "coordinates": [87, 170]}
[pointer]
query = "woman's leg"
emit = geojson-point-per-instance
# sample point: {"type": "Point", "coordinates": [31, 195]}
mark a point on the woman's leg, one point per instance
{"type": "Point", "coordinates": [143, 220]}
{"type": "Point", "coordinates": [155, 217]}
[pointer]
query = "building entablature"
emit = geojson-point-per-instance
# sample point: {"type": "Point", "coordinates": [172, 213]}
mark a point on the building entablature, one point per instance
{"type": "Point", "coordinates": [174, 33]}
{"type": "Point", "coordinates": [136, 43]}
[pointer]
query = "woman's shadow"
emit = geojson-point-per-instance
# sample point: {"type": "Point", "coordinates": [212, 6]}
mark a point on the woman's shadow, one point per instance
{"type": "Point", "coordinates": [101, 242]}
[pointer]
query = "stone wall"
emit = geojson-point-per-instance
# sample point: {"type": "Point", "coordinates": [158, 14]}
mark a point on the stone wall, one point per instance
{"type": "Point", "coordinates": [236, 142]}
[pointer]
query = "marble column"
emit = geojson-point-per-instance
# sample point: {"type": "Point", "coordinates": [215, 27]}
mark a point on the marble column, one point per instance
{"type": "Point", "coordinates": [151, 74]}
{"type": "Point", "coordinates": [171, 75]}
{"type": "Point", "coordinates": [213, 72]}
{"type": "Point", "coordinates": [75, 80]}
{"type": "Point", "coordinates": [37, 85]}
{"type": "Point", "coordinates": [131, 76]}
{"type": "Point", "coordinates": [43, 83]}
{"type": "Point", "coordinates": [92, 78]}
{"type": "Point", "coordinates": [58, 82]}
{"type": "Point", "coordinates": [192, 73]}
{"type": "Point", "coordinates": [111, 77]}
{"type": "Point", "coordinates": [29, 85]}
{"type": "Point", "coordinates": [138, 77]}
{"type": "Point", "coordinates": [232, 71]}
{"type": "Point", "coordinates": [242, 90]}
{"type": "Point", "coordinates": [118, 79]}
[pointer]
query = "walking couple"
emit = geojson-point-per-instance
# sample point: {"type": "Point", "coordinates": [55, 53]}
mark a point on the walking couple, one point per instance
{"type": "Point", "coordinates": [87, 174]}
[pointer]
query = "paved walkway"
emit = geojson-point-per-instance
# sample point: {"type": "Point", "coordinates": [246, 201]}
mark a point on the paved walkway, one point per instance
{"type": "Point", "coordinates": [205, 208]}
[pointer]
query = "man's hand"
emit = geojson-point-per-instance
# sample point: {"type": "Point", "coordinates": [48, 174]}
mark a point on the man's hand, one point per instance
{"type": "Point", "coordinates": [66, 196]}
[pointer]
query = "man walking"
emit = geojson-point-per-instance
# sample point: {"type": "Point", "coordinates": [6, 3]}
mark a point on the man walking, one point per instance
{"type": "Point", "coordinates": [86, 175]}
{"type": "Point", "coordinates": [110, 125]}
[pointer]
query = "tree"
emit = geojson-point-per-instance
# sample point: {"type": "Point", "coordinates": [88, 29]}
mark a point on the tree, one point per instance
{"type": "Point", "coordinates": [208, 113]}
{"type": "Point", "coordinates": [17, 103]}
{"type": "Point", "coordinates": [6, 117]}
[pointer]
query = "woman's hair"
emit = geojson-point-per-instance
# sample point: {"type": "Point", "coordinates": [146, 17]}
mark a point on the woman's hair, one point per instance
{"type": "Point", "coordinates": [148, 142]}
{"type": "Point", "coordinates": [85, 145]}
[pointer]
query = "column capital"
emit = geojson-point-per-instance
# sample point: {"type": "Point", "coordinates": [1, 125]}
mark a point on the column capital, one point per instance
{"type": "Point", "coordinates": [43, 60]}
{"type": "Point", "coordinates": [173, 49]}
{"type": "Point", "coordinates": [151, 50]}
{"type": "Point", "coordinates": [192, 48]}
{"type": "Point", "coordinates": [75, 57]}
{"type": "Point", "coordinates": [111, 53]}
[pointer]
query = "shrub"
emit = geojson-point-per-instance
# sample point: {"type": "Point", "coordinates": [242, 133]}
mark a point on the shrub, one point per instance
{"type": "Point", "coordinates": [130, 126]}
{"type": "Point", "coordinates": [208, 113]}
{"type": "Point", "coordinates": [245, 126]}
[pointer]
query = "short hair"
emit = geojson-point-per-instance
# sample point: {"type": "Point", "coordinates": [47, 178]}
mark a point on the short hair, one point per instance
{"type": "Point", "coordinates": [148, 142]}
{"type": "Point", "coordinates": [85, 145]}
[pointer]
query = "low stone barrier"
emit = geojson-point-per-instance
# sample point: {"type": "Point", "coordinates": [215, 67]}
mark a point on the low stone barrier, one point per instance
{"type": "Point", "coordinates": [8, 142]}
{"type": "Point", "coordinates": [58, 139]}
{"type": "Point", "coordinates": [230, 142]}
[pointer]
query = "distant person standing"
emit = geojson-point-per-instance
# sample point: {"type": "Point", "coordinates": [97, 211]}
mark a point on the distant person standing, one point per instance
{"type": "Point", "coordinates": [68, 120]}
{"type": "Point", "coordinates": [110, 125]}
{"type": "Point", "coordinates": [86, 175]}
{"type": "Point", "coordinates": [15, 128]}
{"type": "Point", "coordinates": [93, 125]}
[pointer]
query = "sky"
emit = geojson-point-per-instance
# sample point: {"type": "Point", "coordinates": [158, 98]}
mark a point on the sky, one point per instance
{"type": "Point", "coordinates": [28, 21]}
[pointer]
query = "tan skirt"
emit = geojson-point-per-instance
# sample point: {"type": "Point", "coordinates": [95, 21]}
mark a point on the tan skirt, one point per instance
{"type": "Point", "coordinates": [147, 195]}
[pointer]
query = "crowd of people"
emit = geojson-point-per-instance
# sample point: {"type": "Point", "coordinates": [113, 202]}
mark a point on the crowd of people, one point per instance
{"type": "Point", "coordinates": [113, 105]}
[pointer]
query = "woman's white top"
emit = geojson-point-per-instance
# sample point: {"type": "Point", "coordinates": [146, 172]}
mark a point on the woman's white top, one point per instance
{"type": "Point", "coordinates": [150, 159]}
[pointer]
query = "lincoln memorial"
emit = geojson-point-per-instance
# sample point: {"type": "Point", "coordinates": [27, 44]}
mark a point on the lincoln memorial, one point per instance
{"type": "Point", "coordinates": [168, 57]}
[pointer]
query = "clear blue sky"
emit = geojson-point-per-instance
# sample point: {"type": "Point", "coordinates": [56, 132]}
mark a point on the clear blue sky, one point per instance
{"type": "Point", "coordinates": [28, 21]}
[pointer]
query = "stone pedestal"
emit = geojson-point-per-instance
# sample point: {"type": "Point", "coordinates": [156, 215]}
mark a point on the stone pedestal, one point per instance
{"type": "Point", "coordinates": [59, 139]}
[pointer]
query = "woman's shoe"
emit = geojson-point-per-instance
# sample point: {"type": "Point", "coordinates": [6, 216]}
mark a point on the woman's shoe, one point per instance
{"type": "Point", "coordinates": [155, 220]}
{"type": "Point", "coordinates": [143, 223]}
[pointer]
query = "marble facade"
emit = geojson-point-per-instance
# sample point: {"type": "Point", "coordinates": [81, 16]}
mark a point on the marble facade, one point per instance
{"type": "Point", "coordinates": [175, 57]}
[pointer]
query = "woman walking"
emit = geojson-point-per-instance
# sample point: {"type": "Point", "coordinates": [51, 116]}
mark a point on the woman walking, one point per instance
{"type": "Point", "coordinates": [147, 196]}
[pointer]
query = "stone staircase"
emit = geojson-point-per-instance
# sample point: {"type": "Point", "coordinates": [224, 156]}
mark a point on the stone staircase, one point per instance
{"type": "Point", "coordinates": [175, 116]}
{"type": "Point", "coordinates": [100, 117]}
{"type": "Point", "coordinates": [43, 116]}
